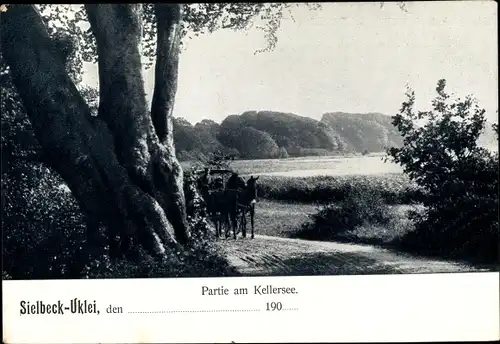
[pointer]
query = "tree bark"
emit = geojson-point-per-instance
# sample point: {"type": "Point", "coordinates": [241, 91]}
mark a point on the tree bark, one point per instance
{"type": "Point", "coordinates": [108, 162]}
{"type": "Point", "coordinates": [150, 163]}
{"type": "Point", "coordinates": [166, 69]}
{"type": "Point", "coordinates": [168, 19]}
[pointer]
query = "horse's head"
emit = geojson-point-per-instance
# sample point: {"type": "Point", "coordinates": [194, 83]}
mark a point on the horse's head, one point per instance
{"type": "Point", "coordinates": [252, 186]}
{"type": "Point", "coordinates": [218, 183]}
{"type": "Point", "coordinates": [235, 182]}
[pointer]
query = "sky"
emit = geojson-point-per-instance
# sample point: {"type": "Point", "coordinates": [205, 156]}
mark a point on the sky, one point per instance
{"type": "Point", "coordinates": [349, 57]}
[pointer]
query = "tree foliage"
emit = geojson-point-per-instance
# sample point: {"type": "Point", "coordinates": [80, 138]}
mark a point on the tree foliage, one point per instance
{"type": "Point", "coordinates": [459, 178]}
{"type": "Point", "coordinates": [296, 134]}
{"type": "Point", "coordinates": [369, 131]}
{"type": "Point", "coordinates": [198, 19]}
{"type": "Point", "coordinates": [257, 144]}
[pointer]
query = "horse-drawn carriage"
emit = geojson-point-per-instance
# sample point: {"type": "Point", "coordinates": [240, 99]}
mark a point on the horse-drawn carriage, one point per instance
{"type": "Point", "coordinates": [229, 199]}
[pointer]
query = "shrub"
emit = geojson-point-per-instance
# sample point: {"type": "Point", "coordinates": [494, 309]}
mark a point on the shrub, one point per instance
{"type": "Point", "coordinates": [393, 188]}
{"type": "Point", "coordinates": [361, 206]}
{"type": "Point", "coordinates": [283, 153]}
{"type": "Point", "coordinates": [199, 259]}
{"type": "Point", "coordinates": [44, 235]}
{"type": "Point", "coordinates": [43, 230]}
{"type": "Point", "coordinates": [459, 179]}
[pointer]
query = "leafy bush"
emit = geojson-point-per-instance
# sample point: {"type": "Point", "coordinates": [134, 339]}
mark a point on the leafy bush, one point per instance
{"type": "Point", "coordinates": [199, 259]}
{"type": "Point", "coordinates": [361, 206]}
{"type": "Point", "coordinates": [393, 188]}
{"type": "Point", "coordinates": [459, 179]}
{"type": "Point", "coordinates": [44, 235]}
{"type": "Point", "coordinates": [43, 230]}
{"type": "Point", "coordinates": [283, 153]}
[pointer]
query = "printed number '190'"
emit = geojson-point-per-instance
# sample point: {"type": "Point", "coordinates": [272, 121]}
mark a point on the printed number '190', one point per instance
{"type": "Point", "coordinates": [274, 306]}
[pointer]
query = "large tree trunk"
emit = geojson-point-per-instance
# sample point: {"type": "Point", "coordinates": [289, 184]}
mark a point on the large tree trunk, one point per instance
{"type": "Point", "coordinates": [168, 19]}
{"type": "Point", "coordinates": [115, 165]}
{"type": "Point", "coordinates": [166, 69]}
{"type": "Point", "coordinates": [150, 163]}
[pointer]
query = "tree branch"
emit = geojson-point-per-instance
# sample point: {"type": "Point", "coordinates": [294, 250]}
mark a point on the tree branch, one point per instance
{"type": "Point", "coordinates": [122, 99]}
{"type": "Point", "coordinates": [169, 18]}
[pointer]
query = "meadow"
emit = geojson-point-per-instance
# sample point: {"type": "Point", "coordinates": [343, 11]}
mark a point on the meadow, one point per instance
{"type": "Point", "coordinates": [293, 192]}
{"type": "Point", "coordinates": [372, 164]}
{"type": "Point", "coordinates": [357, 199]}
{"type": "Point", "coordinates": [321, 180]}
{"type": "Point", "coordinates": [293, 220]}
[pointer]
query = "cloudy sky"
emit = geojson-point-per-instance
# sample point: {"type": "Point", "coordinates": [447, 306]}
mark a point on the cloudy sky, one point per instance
{"type": "Point", "coordinates": [349, 57]}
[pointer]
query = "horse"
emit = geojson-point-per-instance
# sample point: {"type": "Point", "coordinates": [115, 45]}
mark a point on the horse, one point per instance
{"type": "Point", "coordinates": [246, 205]}
{"type": "Point", "coordinates": [234, 187]}
{"type": "Point", "coordinates": [241, 198]}
{"type": "Point", "coordinates": [203, 184]}
{"type": "Point", "coordinates": [217, 205]}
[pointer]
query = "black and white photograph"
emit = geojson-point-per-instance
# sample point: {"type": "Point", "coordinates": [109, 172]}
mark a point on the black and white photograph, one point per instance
{"type": "Point", "coordinates": [248, 139]}
{"type": "Point", "coordinates": [249, 172]}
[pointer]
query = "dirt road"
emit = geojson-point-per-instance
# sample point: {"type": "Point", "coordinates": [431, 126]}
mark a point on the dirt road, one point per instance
{"type": "Point", "coordinates": [268, 255]}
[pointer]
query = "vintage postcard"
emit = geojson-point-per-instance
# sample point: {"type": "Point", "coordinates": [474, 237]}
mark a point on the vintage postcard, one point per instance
{"type": "Point", "coordinates": [250, 172]}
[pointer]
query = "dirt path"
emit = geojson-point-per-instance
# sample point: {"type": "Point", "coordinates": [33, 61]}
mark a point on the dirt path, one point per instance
{"type": "Point", "coordinates": [268, 255]}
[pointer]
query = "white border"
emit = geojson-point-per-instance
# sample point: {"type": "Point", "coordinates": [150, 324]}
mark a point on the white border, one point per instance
{"type": "Point", "coordinates": [430, 307]}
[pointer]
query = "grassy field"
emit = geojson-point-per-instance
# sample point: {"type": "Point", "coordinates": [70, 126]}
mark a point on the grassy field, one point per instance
{"type": "Point", "coordinates": [308, 166]}
{"type": "Point", "coordinates": [284, 219]}
{"type": "Point", "coordinates": [291, 191]}
{"type": "Point", "coordinates": [317, 166]}
{"type": "Point", "coordinates": [326, 179]}
{"type": "Point", "coordinates": [279, 218]}
{"type": "Point", "coordinates": [288, 195]}
{"type": "Point", "coordinates": [347, 199]}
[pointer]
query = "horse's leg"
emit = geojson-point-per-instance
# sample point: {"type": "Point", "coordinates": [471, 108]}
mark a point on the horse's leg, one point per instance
{"type": "Point", "coordinates": [227, 218]}
{"type": "Point", "coordinates": [217, 224]}
{"type": "Point", "coordinates": [234, 222]}
{"type": "Point", "coordinates": [223, 220]}
{"type": "Point", "coordinates": [215, 220]}
{"type": "Point", "coordinates": [213, 217]}
{"type": "Point", "coordinates": [238, 221]}
{"type": "Point", "coordinates": [217, 215]}
{"type": "Point", "coordinates": [243, 223]}
{"type": "Point", "coordinates": [223, 223]}
{"type": "Point", "coordinates": [252, 215]}
{"type": "Point", "coordinates": [220, 221]}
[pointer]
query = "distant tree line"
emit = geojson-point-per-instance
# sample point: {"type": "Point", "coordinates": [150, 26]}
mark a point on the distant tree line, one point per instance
{"type": "Point", "coordinates": [268, 135]}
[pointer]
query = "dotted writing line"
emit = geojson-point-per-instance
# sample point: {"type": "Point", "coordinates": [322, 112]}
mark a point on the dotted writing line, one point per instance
{"type": "Point", "coordinates": [199, 311]}
{"type": "Point", "coordinates": [208, 311]}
